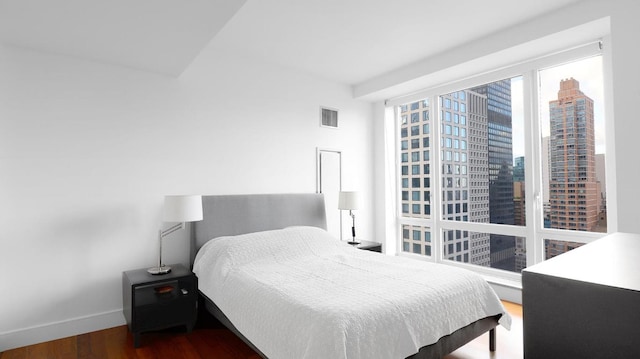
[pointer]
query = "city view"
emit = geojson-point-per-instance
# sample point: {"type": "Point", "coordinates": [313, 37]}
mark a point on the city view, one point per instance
{"type": "Point", "coordinates": [483, 166]}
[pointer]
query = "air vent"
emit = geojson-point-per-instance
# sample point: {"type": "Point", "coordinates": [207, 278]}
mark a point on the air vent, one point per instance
{"type": "Point", "coordinates": [328, 117]}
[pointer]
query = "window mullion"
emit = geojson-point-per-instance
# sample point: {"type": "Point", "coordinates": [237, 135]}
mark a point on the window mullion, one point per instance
{"type": "Point", "coordinates": [533, 167]}
{"type": "Point", "coordinates": [436, 176]}
{"type": "Point", "coordinates": [398, 176]}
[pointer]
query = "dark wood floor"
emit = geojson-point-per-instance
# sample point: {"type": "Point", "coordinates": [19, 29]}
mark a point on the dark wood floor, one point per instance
{"type": "Point", "coordinates": [210, 340]}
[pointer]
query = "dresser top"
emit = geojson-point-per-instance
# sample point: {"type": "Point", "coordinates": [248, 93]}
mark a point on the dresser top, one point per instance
{"type": "Point", "coordinates": [613, 261]}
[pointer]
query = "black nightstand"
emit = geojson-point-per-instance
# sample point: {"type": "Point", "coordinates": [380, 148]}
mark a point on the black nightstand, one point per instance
{"type": "Point", "coordinates": [153, 302]}
{"type": "Point", "coordinates": [369, 246]}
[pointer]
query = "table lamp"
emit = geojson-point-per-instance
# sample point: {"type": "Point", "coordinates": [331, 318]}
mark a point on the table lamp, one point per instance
{"type": "Point", "coordinates": [177, 209]}
{"type": "Point", "coordinates": [348, 200]}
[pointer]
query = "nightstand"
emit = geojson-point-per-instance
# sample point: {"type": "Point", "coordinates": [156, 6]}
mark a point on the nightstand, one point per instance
{"type": "Point", "coordinates": [154, 302]}
{"type": "Point", "coordinates": [369, 246]}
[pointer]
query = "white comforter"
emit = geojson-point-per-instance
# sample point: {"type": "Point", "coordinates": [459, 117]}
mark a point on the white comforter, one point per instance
{"type": "Point", "coordinates": [300, 293]}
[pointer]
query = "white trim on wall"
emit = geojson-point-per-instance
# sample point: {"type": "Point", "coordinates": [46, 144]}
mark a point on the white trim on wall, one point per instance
{"type": "Point", "coordinates": [61, 329]}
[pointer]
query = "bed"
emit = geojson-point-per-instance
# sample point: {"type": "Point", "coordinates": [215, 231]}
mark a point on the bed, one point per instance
{"type": "Point", "coordinates": [270, 272]}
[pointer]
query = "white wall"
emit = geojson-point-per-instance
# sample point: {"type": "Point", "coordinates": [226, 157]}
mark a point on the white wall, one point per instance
{"type": "Point", "coordinates": [88, 150]}
{"type": "Point", "coordinates": [625, 28]}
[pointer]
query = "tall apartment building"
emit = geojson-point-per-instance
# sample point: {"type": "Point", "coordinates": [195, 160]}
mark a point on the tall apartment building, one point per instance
{"type": "Point", "coordinates": [415, 133]}
{"type": "Point", "coordinates": [479, 175]}
{"type": "Point", "coordinates": [519, 211]}
{"type": "Point", "coordinates": [573, 187]}
{"type": "Point", "coordinates": [602, 178]}
{"type": "Point", "coordinates": [518, 169]}
{"type": "Point", "coordinates": [554, 248]}
{"type": "Point", "coordinates": [464, 174]}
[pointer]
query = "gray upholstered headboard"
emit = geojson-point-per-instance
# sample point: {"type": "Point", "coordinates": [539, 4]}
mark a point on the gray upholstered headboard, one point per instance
{"type": "Point", "coordinates": [228, 215]}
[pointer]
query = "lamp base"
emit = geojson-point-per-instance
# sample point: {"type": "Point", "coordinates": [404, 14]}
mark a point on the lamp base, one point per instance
{"type": "Point", "coordinates": [159, 270]}
{"type": "Point", "coordinates": [353, 242]}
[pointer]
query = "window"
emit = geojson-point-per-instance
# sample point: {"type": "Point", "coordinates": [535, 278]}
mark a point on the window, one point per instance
{"type": "Point", "coordinates": [480, 205]}
{"type": "Point", "coordinates": [491, 120]}
{"type": "Point", "coordinates": [572, 118]}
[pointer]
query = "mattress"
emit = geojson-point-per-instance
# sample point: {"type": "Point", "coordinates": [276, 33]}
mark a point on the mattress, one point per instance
{"type": "Point", "coordinates": [300, 293]}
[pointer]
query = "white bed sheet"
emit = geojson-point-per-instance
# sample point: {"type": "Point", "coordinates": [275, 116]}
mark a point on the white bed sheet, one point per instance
{"type": "Point", "coordinates": [300, 293]}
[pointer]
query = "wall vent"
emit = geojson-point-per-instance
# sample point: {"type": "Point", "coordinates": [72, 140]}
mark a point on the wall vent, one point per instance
{"type": "Point", "coordinates": [328, 117]}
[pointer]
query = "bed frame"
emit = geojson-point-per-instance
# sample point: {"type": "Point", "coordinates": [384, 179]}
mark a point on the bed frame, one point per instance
{"type": "Point", "coordinates": [228, 215]}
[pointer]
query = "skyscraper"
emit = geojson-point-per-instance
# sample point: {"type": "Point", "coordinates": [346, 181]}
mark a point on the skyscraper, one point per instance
{"type": "Point", "coordinates": [519, 211]}
{"type": "Point", "coordinates": [415, 133]}
{"type": "Point", "coordinates": [479, 178]}
{"type": "Point", "coordinates": [465, 188]}
{"type": "Point", "coordinates": [476, 154]}
{"type": "Point", "coordinates": [499, 150]}
{"type": "Point", "coordinates": [499, 156]}
{"type": "Point", "coordinates": [518, 169]}
{"type": "Point", "coordinates": [573, 185]}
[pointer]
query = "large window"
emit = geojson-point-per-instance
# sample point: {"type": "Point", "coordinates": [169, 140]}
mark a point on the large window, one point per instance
{"type": "Point", "coordinates": [484, 182]}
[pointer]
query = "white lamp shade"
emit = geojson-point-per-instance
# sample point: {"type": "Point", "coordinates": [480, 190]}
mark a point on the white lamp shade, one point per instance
{"type": "Point", "coordinates": [182, 208]}
{"type": "Point", "coordinates": [348, 200]}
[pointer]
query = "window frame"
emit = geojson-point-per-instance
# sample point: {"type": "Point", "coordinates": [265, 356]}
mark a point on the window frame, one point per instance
{"type": "Point", "coordinates": [533, 167]}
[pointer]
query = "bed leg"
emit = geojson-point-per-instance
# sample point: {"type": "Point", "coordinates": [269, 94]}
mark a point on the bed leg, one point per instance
{"type": "Point", "coordinates": [492, 340]}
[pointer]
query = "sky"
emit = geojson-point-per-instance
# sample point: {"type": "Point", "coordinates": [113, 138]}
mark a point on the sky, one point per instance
{"type": "Point", "coordinates": [588, 72]}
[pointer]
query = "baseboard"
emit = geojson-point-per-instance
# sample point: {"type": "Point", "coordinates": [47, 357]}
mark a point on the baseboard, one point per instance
{"type": "Point", "coordinates": [507, 292]}
{"type": "Point", "coordinates": [62, 329]}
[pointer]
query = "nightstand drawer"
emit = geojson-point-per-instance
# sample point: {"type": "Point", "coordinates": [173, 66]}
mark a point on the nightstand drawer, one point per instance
{"type": "Point", "coordinates": [156, 293]}
{"type": "Point", "coordinates": [165, 314]}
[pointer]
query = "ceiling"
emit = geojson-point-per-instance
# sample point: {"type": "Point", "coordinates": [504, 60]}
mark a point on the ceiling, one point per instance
{"type": "Point", "coordinates": [347, 41]}
{"type": "Point", "coordinates": [154, 35]}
